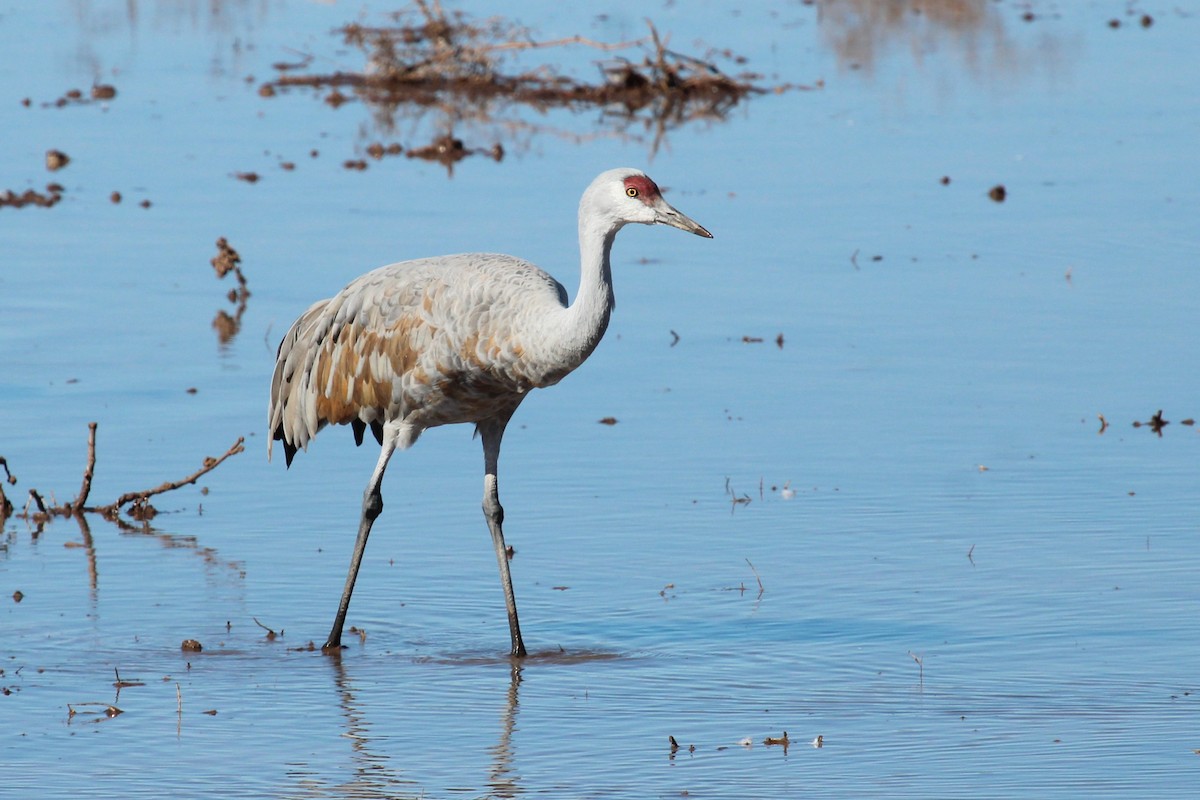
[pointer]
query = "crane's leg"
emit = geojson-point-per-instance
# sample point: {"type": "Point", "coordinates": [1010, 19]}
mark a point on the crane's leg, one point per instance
{"type": "Point", "coordinates": [371, 508]}
{"type": "Point", "coordinates": [492, 432]}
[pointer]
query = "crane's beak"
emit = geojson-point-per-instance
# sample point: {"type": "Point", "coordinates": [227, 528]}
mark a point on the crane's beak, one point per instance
{"type": "Point", "coordinates": [668, 215]}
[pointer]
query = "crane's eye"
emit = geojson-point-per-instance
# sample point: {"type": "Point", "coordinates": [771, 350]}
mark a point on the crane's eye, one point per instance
{"type": "Point", "coordinates": [632, 191]}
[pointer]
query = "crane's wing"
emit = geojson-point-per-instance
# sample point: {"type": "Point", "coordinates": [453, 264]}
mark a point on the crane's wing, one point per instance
{"type": "Point", "coordinates": [432, 341]}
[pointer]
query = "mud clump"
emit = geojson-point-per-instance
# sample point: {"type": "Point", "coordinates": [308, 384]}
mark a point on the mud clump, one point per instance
{"type": "Point", "coordinates": [31, 197]}
{"type": "Point", "coordinates": [56, 160]}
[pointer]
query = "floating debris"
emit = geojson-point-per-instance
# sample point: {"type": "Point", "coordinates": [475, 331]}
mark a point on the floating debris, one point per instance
{"type": "Point", "coordinates": [107, 711]}
{"type": "Point", "coordinates": [461, 69]}
{"type": "Point", "coordinates": [998, 193]}
{"type": "Point", "coordinates": [1156, 423]}
{"type": "Point", "coordinates": [270, 633]}
{"type": "Point", "coordinates": [56, 160]}
{"type": "Point", "coordinates": [778, 741]}
{"type": "Point", "coordinates": [76, 97]}
{"type": "Point", "coordinates": [191, 646]}
{"type": "Point", "coordinates": [31, 197]}
{"type": "Point", "coordinates": [378, 150]}
{"type": "Point", "coordinates": [124, 684]}
{"type": "Point", "coordinates": [736, 499]}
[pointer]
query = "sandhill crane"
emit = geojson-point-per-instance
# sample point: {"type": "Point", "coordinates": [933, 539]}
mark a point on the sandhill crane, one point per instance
{"type": "Point", "coordinates": [460, 338]}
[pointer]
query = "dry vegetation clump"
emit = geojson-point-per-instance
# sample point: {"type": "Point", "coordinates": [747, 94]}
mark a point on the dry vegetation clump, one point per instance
{"type": "Point", "coordinates": [31, 197]}
{"type": "Point", "coordinates": [433, 60]}
{"type": "Point", "coordinates": [136, 504]}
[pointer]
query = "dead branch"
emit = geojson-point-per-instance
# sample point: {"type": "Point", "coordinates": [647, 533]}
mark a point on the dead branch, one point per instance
{"type": "Point", "coordinates": [444, 62]}
{"type": "Point", "coordinates": [89, 470]}
{"type": "Point", "coordinates": [139, 500]}
{"type": "Point", "coordinates": [141, 497]}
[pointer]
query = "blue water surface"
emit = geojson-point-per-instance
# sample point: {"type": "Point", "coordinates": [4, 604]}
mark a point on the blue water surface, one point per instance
{"type": "Point", "coordinates": [874, 476]}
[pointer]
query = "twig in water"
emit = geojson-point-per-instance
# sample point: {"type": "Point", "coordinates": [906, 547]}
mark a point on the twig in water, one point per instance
{"type": "Point", "coordinates": [210, 464]}
{"type": "Point", "coordinates": [121, 684]}
{"type": "Point", "coordinates": [920, 667]}
{"type": "Point", "coordinates": [735, 499]}
{"type": "Point", "coordinates": [757, 578]}
{"type": "Point", "coordinates": [141, 509]}
{"type": "Point", "coordinates": [88, 471]}
{"type": "Point", "coordinates": [270, 633]}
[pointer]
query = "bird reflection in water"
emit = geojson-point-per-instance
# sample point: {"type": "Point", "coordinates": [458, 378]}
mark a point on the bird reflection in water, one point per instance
{"type": "Point", "coordinates": [374, 777]}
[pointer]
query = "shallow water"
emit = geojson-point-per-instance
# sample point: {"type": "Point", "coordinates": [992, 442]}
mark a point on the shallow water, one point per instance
{"type": "Point", "coordinates": [971, 592]}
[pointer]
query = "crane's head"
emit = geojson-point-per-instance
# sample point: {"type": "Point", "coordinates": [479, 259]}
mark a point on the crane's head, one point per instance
{"type": "Point", "coordinates": [625, 195]}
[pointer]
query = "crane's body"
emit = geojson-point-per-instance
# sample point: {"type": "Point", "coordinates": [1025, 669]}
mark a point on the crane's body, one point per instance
{"type": "Point", "coordinates": [459, 338]}
{"type": "Point", "coordinates": [430, 342]}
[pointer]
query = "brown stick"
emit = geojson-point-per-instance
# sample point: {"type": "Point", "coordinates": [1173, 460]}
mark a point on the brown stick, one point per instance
{"type": "Point", "coordinates": [5, 506]}
{"type": "Point", "coordinates": [210, 464]}
{"type": "Point", "coordinates": [88, 471]}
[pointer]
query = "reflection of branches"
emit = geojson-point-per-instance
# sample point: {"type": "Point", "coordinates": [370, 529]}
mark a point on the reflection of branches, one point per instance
{"type": "Point", "coordinates": [140, 509]}
{"type": "Point", "coordinates": [138, 501]}
{"type": "Point", "coordinates": [445, 64]}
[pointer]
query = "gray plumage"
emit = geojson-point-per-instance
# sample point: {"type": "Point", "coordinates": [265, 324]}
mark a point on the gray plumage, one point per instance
{"type": "Point", "coordinates": [459, 338]}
